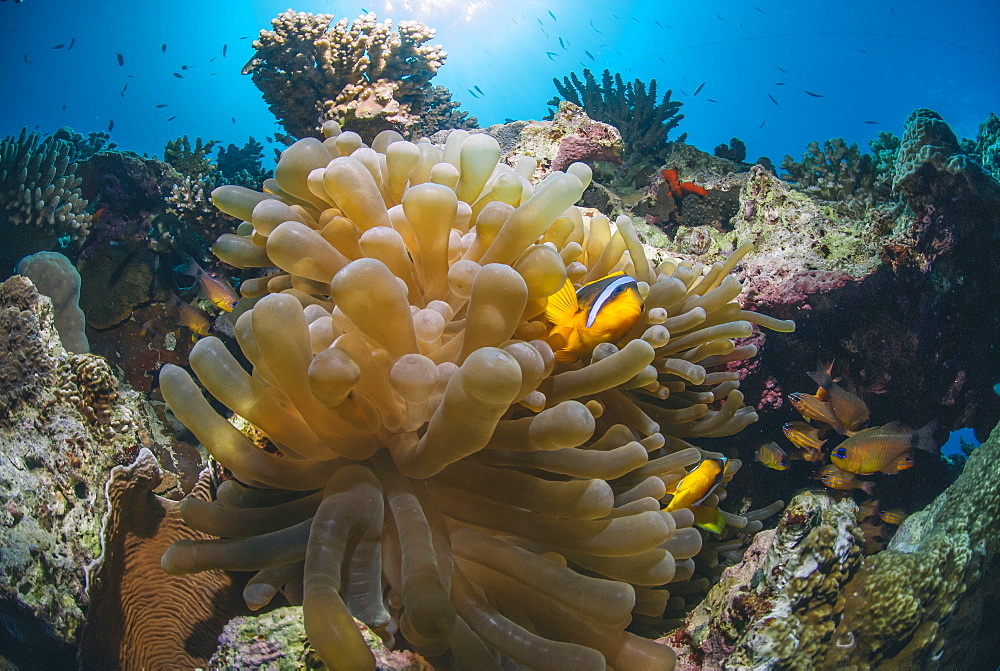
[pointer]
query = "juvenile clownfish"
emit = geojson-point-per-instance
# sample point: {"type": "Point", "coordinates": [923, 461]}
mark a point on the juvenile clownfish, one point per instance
{"type": "Point", "coordinates": [598, 312]}
{"type": "Point", "coordinates": [219, 292]}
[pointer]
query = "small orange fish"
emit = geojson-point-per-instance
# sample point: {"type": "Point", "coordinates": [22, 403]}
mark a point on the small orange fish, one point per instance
{"type": "Point", "coordinates": [772, 456]}
{"type": "Point", "coordinates": [811, 407]}
{"type": "Point", "coordinates": [804, 435]}
{"type": "Point", "coordinates": [886, 449]}
{"type": "Point", "coordinates": [848, 408]}
{"type": "Point", "coordinates": [894, 516]}
{"type": "Point", "coordinates": [193, 318]}
{"type": "Point", "coordinates": [834, 478]}
{"type": "Point", "coordinates": [598, 312]}
{"type": "Point", "coordinates": [696, 486]}
{"type": "Point", "coordinates": [96, 216]}
{"type": "Point", "coordinates": [219, 292]}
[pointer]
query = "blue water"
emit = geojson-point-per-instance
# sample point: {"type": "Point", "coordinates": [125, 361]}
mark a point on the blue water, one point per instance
{"type": "Point", "coordinates": [872, 61]}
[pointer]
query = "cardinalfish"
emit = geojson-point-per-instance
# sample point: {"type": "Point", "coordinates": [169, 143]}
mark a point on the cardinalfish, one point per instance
{"type": "Point", "coordinates": [814, 408]}
{"type": "Point", "coordinates": [772, 456]}
{"type": "Point", "coordinates": [692, 490]}
{"type": "Point", "coordinates": [834, 478]}
{"type": "Point", "coordinates": [848, 408]}
{"type": "Point", "coordinates": [807, 437]}
{"type": "Point", "coordinates": [193, 318]}
{"type": "Point", "coordinates": [883, 449]}
{"type": "Point", "coordinates": [219, 292]}
{"type": "Point", "coordinates": [598, 312]}
{"type": "Point", "coordinates": [896, 516]}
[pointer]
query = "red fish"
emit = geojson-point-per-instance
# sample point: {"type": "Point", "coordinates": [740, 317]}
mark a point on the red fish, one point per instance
{"type": "Point", "coordinates": [680, 189]}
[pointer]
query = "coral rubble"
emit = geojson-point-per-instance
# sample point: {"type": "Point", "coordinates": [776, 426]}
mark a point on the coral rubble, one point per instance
{"type": "Point", "coordinates": [403, 366]}
{"type": "Point", "coordinates": [362, 74]}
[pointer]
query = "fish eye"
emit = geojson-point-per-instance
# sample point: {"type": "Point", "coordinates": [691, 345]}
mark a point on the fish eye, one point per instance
{"type": "Point", "coordinates": [840, 453]}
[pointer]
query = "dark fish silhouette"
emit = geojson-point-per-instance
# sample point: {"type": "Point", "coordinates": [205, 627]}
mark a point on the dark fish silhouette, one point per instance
{"type": "Point", "coordinates": [893, 9]}
{"type": "Point", "coordinates": [759, 9]}
{"type": "Point", "coordinates": [364, 10]}
{"type": "Point", "coordinates": [72, 41]}
{"type": "Point", "coordinates": [779, 83]}
{"type": "Point", "coordinates": [224, 47]}
{"type": "Point", "coordinates": [121, 59]}
{"type": "Point", "coordinates": [245, 37]}
{"type": "Point", "coordinates": [59, 46]}
{"type": "Point", "coordinates": [782, 69]}
{"type": "Point", "coordinates": [698, 90]}
{"type": "Point", "coordinates": [26, 59]}
{"type": "Point", "coordinates": [540, 22]}
{"type": "Point", "coordinates": [111, 125]}
{"type": "Point", "coordinates": [185, 67]}
{"type": "Point", "coordinates": [561, 43]}
{"type": "Point", "coordinates": [161, 105]}
{"type": "Point", "coordinates": [719, 17]}
{"type": "Point", "coordinates": [590, 54]}
{"type": "Point", "coordinates": [772, 99]}
{"type": "Point", "coordinates": [479, 89]}
{"type": "Point", "coordinates": [212, 59]}
{"type": "Point", "coordinates": [635, 19]}
{"type": "Point", "coordinates": [472, 93]}
{"type": "Point", "coordinates": [872, 122]}
{"type": "Point", "coordinates": [269, 138]}
{"type": "Point", "coordinates": [658, 24]}
{"type": "Point", "coordinates": [123, 90]}
{"type": "Point", "coordinates": [595, 28]}
{"type": "Point", "coordinates": [178, 75]}
{"type": "Point", "coordinates": [163, 48]}
{"type": "Point", "coordinates": [815, 95]}
{"type": "Point", "coordinates": [711, 100]}
{"type": "Point", "coordinates": [554, 16]}
{"type": "Point", "coordinates": [550, 54]}
{"type": "Point", "coordinates": [508, 120]}
{"type": "Point", "coordinates": [762, 123]}
{"type": "Point", "coordinates": [64, 107]}
{"type": "Point", "coordinates": [234, 119]}
{"type": "Point", "coordinates": [172, 118]}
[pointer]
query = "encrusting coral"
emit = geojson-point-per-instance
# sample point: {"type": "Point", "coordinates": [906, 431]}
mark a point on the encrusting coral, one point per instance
{"type": "Point", "coordinates": [40, 199]}
{"type": "Point", "coordinates": [360, 73]}
{"type": "Point", "coordinates": [643, 121]}
{"type": "Point", "coordinates": [441, 476]}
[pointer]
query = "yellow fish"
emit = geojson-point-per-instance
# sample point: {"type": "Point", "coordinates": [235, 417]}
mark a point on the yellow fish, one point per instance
{"type": "Point", "coordinates": [772, 456]}
{"type": "Point", "coordinates": [193, 318]}
{"type": "Point", "coordinates": [806, 436]}
{"type": "Point", "coordinates": [894, 516]}
{"type": "Point", "coordinates": [848, 408]}
{"type": "Point", "coordinates": [598, 312]}
{"type": "Point", "coordinates": [696, 486]}
{"type": "Point", "coordinates": [219, 292]}
{"type": "Point", "coordinates": [886, 449]}
{"type": "Point", "coordinates": [834, 478]}
{"type": "Point", "coordinates": [812, 407]}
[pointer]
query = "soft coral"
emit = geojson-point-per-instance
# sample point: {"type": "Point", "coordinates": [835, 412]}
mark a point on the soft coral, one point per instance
{"type": "Point", "coordinates": [680, 189]}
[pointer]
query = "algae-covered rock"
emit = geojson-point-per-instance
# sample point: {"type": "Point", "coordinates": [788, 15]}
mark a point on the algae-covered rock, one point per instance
{"type": "Point", "coordinates": [277, 641]}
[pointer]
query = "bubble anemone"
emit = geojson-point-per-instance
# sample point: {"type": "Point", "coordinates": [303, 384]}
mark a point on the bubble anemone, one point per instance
{"type": "Point", "coordinates": [441, 477]}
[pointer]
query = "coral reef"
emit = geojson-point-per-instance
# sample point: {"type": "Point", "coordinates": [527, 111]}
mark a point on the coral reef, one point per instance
{"type": "Point", "coordinates": [441, 112]}
{"type": "Point", "coordinates": [644, 121]}
{"type": "Point", "coordinates": [735, 151]}
{"type": "Point", "coordinates": [138, 617]}
{"type": "Point", "coordinates": [84, 147]}
{"type": "Point", "coordinates": [55, 277]}
{"type": "Point", "coordinates": [403, 366]}
{"type": "Point", "coordinates": [803, 598]}
{"type": "Point", "coordinates": [54, 457]}
{"type": "Point", "coordinates": [242, 165]}
{"type": "Point", "coordinates": [187, 160]}
{"type": "Point", "coordinates": [569, 137]}
{"type": "Point", "coordinates": [837, 172]}
{"type": "Point", "coordinates": [40, 201]}
{"type": "Point", "coordinates": [361, 73]}
{"type": "Point", "coordinates": [986, 147]}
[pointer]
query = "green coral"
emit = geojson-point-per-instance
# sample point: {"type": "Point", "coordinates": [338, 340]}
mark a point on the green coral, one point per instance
{"type": "Point", "coordinates": [187, 160]}
{"type": "Point", "coordinates": [986, 147]}
{"type": "Point", "coordinates": [837, 171]}
{"type": "Point", "coordinates": [643, 121]}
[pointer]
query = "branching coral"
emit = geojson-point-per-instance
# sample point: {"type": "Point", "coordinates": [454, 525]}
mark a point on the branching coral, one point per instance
{"type": "Point", "coordinates": [242, 165]}
{"type": "Point", "coordinates": [986, 147]}
{"type": "Point", "coordinates": [644, 123]}
{"type": "Point", "coordinates": [40, 199]}
{"type": "Point", "coordinates": [838, 171]}
{"type": "Point", "coordinates": [442, 475]}
{"type": "Point", "coordinates": [189, 161]}
{"type": "Point", "coordinates": [360, 73]}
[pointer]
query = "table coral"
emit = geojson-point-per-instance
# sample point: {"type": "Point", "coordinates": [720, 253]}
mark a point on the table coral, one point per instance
{"type": "Point", "coordinates": [360, 73]}
{"type": "Point", "coordinates": [644, 121]}
{"type": "Point", "coordinates": [432, 445]}
{"type": "Point", "coordinates": [40, 195]}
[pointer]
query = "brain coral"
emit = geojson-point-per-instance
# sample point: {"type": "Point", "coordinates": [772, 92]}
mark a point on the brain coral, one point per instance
{"type": "Point", "coordinates": [441, 476]}
{"type": "Point", "coordinates": [360, 73]}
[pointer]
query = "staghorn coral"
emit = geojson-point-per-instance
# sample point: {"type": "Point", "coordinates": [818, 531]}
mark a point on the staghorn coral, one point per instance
{"type": "Point", "coordinates": [644, 123]}
{"type": "Point", "coordinates": [194, 221]}
{"type": "Point", "coordinates": [40, 201]}
{"type": "Point", "coordinates": [432, 446]}
{"type": "Point", "coordinates": [242, 165]}
{"type": "Point", "coordinates": [187, 160]}
{"type": "Point", "coordinates": [361, 73]}
{"type": "Point", "coordinates": [441, 112]}
{"type": "Point", "coordinates": [84, 147]}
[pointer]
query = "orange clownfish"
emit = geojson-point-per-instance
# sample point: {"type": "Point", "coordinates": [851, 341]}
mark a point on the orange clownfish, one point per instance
{"type": "Point", "coordinates": [698, 485]}
{"type": "Point", "coordinates": [598, 312]}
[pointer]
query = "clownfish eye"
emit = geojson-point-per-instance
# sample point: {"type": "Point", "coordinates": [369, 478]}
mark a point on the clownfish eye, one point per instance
{"type": "Point", "coordinates": [840, 453]}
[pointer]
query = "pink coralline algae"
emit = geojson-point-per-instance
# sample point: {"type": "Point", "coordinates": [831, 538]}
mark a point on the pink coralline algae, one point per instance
{"type": "Point", "coordinates": [594, 141]}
